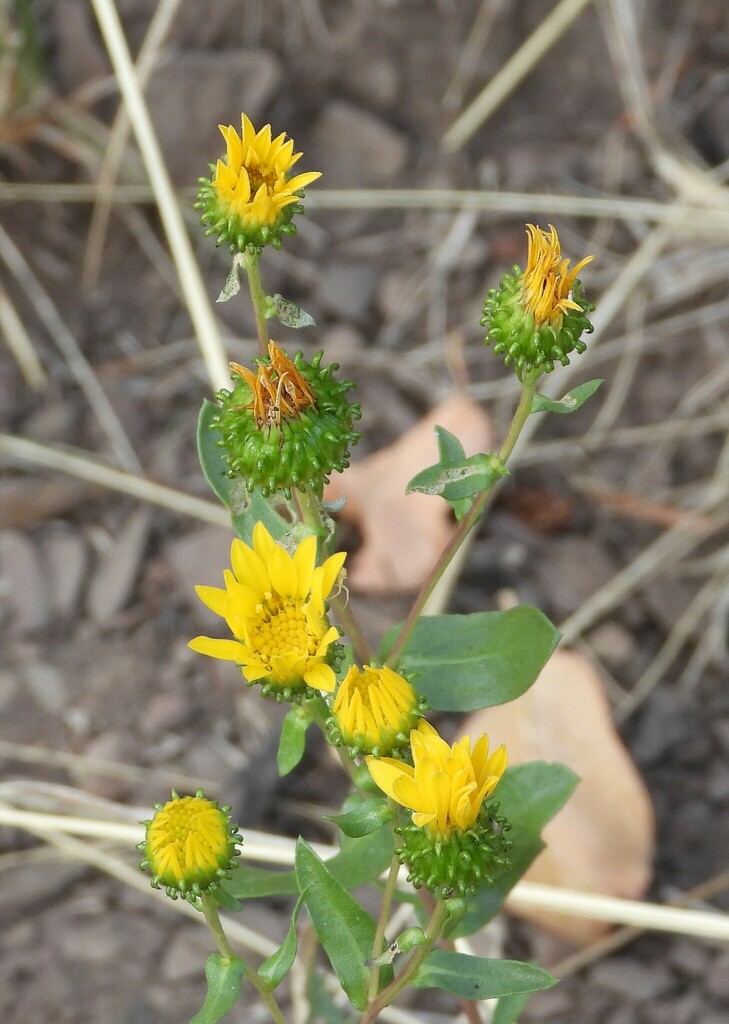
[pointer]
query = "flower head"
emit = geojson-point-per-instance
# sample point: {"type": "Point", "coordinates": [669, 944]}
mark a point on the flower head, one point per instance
{"type": "Point", "coordinates": [446, 785]}
{"type": "Point", "coordinates": [189, 845]}
{"type": "Point", "coordinates": [252, 197]}
{"type": "Point", "coordinates": [374, 710]}
{"type": "Point", "coordinates": [288, 425]}
{"type": "Point", "coordinates": [274, 605]}
{"type": "Point", "coordinates": [536, 316]}
{"type": "Point", "coordinates": [455, 842]}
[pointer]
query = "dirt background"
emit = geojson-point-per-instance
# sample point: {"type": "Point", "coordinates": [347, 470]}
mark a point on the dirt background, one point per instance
{"type": "Point", "coordinates": [100, 700]}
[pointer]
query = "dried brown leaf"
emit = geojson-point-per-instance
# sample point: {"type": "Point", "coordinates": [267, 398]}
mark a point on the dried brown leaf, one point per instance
{"type": "Point", "coordinates": [602, 841]}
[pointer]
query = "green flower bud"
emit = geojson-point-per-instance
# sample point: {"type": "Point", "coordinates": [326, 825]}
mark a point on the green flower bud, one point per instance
{"type": "Point", "coordinates": [287, 426]}
{"type": "Point", "coordinates": [537, 316]}
{"type": "Point", "coordinates": [459, 863]}
{"type": "Point", "coordinates": [190, 845]}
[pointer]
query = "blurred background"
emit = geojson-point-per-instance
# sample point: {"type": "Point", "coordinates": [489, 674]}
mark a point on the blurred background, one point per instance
{"type": "Point", "coordinates": [441, 127]}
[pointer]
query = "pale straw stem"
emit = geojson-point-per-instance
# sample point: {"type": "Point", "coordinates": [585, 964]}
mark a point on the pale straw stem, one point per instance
{"type": "Point", "coordinates": [95, 472]}
{"type": "Point", "coordinates": [193, 288]}
{"type": "Point", "coordinates": [280, 850]}
{"type": "Point", "coordinates": [510, 74]}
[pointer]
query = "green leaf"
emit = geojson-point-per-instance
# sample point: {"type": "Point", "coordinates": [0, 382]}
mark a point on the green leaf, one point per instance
{"type": "Point", "coordinates": [466, 662]}
{"type": "Point", "coordinates": [224, 978]}
{"type": "Point", "coordinates": [358, 862]}
{"type": "Point", "coordinates": [572, 401]}
{"type": "Point", "coordinates": [345, 931]}
{"type": "Point", "coordinates": [451, 452]}
{"type": "Point", "coordinates": [322, 1007]}
{"type": "Point", "coordinates": [528, 795]}
{"type": "Point", "coordinates": [363, 859]}
{"type": "Point", "coordinates": [508, 1009]}
{"type": "Point", "coordinates": [367, 818]}
{"type": "Point", "coordinates": [246, 509]}
{"type": "Point", "coordinates": [455, 477]}
{"type": "Point", "coordinates": [291, 315]}
{"type": "Point", "coordinates": [293, 739]}
{"type": "Point", "coordinates": [463, 480]}
{"type": "Point", "coordinates": [249, 883]}
{"type": "Point", "coordinates": [274, 970]}
{"type": "Point", "coordinates": [249, 509]}
{"type": "Point", "coordinates": [224, 899]}
{"type": "Point", "coordinates": [214, 466]}
{"type": "Point", "coordinates": [473, 977]}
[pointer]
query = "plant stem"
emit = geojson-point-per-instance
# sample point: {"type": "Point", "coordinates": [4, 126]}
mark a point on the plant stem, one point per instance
{"type": "Point", "coordinates": [258, 298]}
{"type": "Point", "coordinates": [465, 526]}
{"type": "Point", "coordinates": [309, 508]}
{"type": "Point", "coordinates": [387, 893]}
{"type": "Point", "coordinates": [210, 910]}
{"type": "Point", "coordinates": [432, 933]}
{"type": "Point", "coordinates": [352, 628]}
{"type": "Point", "coordinates": [266, 994]}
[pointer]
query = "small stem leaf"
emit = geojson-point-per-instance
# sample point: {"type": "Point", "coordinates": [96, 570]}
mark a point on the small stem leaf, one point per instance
{"type": "Point", "coordinates": [508, 1009]}
{"type": "Point", "coordinates": [293, 739]}
{"type": "Point", "coordinates": [224, 978]}
{"type": "Point", "coordinates": [466, 662]}
{"type": "Point", "coordinates": [460, 480]}
{"type": "Point", "coordinates": [274, 970]}
{"type": "Point", "coordinates": [455, 477]}
{"type": "Point", "coordinates": [345, 930]}
{"type": "Point", "coordinates": [473, 977]}
{"type": "Point", "coordinates": [450, 448]}
{"type": "Point", "coordinates": [232, 281]}
{"type": "Point", "coordinates": [291, 315]}
{"type": "Point", "coordinates": [367, 818]}
{"type": "Point", "coordinates": [528, 796]}
{"type": "Point", "coordinates": [572, 401]}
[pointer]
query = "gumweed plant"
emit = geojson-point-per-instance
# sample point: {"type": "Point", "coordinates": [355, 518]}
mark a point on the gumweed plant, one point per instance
{"type": "Point", "coordinates": [447, 826]}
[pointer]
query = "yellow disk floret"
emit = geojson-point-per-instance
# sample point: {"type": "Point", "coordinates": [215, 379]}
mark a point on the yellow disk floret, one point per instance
{"type": "Point", "coordinates": [374, 711]}
{"type": "Point", "coordinates": [190, 845]}
{"type": "Point", "coordinates": [274, 604]}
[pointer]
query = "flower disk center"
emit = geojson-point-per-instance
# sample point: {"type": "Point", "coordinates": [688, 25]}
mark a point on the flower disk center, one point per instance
{"type": "Point", "coordinates": [188, 838]}
{"type": "Point", "coordinates": [282, 629]}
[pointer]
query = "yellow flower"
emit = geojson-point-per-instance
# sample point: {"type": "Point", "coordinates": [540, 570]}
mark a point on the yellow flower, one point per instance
{"type": "Point", "coordinates": [548, 280]}
{"type": "Point", "coordinates": [252, 195]}
{"type": "Point", "coordinates": [537, 317]}
{"type": "Point", "coordinates": [446, 785]}
{"type": "Point", "coordinates": [274, 605]}
{"type": "Point", "coordinates": [189, 845]}
{"type": "Point", "coordinates": [374, 710]}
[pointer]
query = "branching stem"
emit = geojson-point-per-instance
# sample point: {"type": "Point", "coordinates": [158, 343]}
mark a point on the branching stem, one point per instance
{"type": "Point", "coordinates": [258, 298]}
{"type": "Point", "coordinates": [465, 526]}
